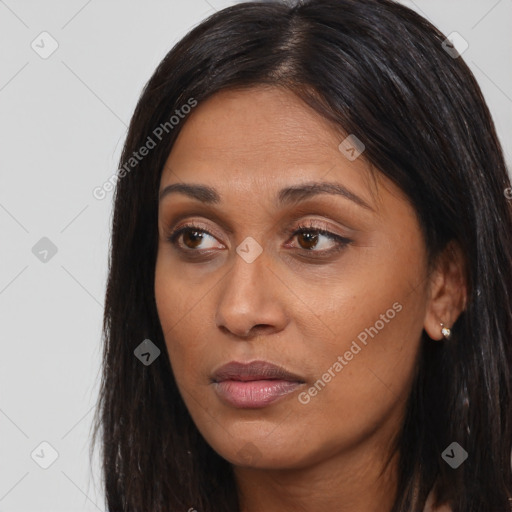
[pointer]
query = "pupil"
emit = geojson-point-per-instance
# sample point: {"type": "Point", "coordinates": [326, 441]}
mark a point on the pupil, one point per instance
{"type": "Point", "coordinates": [190, 235]}
{"type": "Point", "coordinates": [311, 239]}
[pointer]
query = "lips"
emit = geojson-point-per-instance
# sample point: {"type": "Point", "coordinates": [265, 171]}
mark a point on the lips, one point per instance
{"type": "Point", "coordinates": [253, 385]}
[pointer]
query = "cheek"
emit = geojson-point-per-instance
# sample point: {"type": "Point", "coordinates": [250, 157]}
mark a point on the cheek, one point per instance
{"type": "Point", "coordinates": [364, 372]}
{"type": "Point", "coordinates": [182, 300]}
{"type": "Point", "coordinates": [369, 351]}
{"type": "Point", "coordinates": [371, 325]}
{"type": "Point", "coordinates": [174, 312]}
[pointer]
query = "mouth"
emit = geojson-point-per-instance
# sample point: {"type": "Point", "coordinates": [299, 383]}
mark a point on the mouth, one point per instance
{"type": "Point", "coordinates": [253, 385]}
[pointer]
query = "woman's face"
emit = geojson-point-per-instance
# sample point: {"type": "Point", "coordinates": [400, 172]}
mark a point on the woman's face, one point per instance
{"type": "Point", "coordinates": [341, 311]}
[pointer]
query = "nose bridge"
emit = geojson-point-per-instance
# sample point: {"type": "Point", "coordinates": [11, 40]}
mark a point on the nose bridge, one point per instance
{"type": "Point", "coordinates": [247, 299]}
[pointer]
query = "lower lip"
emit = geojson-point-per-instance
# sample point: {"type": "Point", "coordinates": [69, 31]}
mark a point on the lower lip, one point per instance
{"type": "Point", "coordinates": [255, 393]}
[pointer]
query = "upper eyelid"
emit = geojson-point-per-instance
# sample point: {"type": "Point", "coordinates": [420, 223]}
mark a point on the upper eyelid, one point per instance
{"type": "Point", "coordinates": [347, 220]}
{"type": "Point", "coordinates": [301, 226]}
{"type": "Point", "coordinates": [191, 225]}
{"type": "Point", "coordinates": [294, 218]}
{"type": "Point", "coordinates": [213, 216]}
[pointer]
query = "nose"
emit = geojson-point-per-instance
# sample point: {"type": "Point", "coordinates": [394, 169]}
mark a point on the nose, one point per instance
{"type": "Point", "coordinates": [252, 299]}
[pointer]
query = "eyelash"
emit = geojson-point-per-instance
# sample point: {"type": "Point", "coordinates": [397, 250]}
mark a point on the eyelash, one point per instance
{"type": "Point", "coordinates": [341, 241]}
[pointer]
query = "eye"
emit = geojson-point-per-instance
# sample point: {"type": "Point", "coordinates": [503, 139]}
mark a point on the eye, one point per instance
{"type": "Point", "coordinates": [318, 240]}
{"type": "Point", "coordinates": [189, 238]}
{"type": "Point", "coordinates": [311, 239]}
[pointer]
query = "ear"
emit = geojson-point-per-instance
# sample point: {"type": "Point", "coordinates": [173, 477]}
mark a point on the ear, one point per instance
{"type": "Point", "coordinates": [447, 291]}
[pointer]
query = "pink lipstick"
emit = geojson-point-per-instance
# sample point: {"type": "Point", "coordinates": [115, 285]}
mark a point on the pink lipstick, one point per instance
{"type": "Point", "coordinates": [253, 385]}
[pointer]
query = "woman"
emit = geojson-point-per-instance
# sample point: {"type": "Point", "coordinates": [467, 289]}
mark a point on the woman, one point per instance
{"type": "Point", "coordinates": [309, 302]}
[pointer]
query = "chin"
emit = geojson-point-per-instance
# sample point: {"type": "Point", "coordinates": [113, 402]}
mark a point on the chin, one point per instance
{"type": "Point", "coordinates": [262, 453]}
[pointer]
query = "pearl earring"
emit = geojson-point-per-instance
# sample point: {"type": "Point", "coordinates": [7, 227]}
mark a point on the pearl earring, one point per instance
{"type": "Point", "coordinates": [445, 331]}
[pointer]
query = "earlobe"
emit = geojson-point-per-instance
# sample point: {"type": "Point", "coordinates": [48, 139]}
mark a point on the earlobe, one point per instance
{"type": "Point", "coordinates": [447, 293]}
{"type": "Point", "coordinates": [436, 329]}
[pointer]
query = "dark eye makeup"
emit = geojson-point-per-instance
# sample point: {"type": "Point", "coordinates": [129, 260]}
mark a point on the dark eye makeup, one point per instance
{"type": "Point", "coordinates": [190, 234]}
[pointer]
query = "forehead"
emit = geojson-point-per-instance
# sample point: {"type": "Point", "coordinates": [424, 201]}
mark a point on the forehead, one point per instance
{"type": "Point", "coordinates": [255, 138]}
{"type": "Point", "coordinates": [244, 119]}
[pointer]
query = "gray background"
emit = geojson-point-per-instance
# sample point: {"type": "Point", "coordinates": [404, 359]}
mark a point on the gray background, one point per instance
{"type": "Point", "coordinates": [62, 124]}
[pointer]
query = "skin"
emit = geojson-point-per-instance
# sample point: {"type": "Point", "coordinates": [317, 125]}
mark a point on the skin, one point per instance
{"type": "Point", "coordinates": [291, 309]}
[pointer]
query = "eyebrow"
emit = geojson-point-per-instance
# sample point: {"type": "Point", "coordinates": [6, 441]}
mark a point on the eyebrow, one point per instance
{"type": "Point", "coordinates": [286, 196]}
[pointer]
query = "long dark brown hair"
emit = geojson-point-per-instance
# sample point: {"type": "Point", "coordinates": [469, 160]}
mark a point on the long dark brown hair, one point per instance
{"type": "Point", "coordinates": [380, 71]}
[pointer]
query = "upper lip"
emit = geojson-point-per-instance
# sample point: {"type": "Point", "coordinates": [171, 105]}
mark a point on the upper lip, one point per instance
{"type": "Point", "coordinates": [255, 370]}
